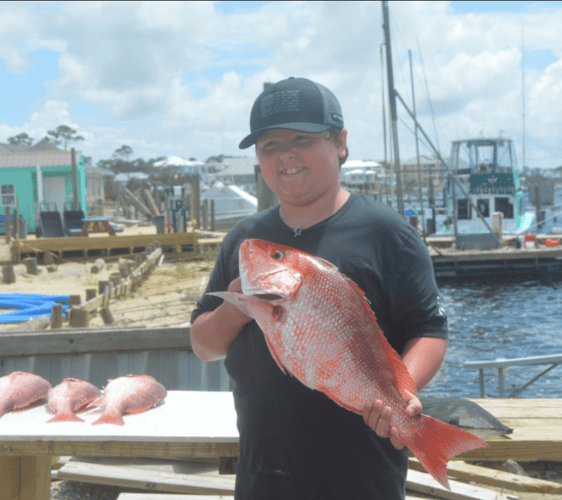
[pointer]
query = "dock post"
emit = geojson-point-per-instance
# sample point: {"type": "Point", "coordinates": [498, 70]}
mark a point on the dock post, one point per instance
{"type": "Point", "coordinates": [79, 318]}
{"type": "Point", "coordinates": [500, 381]}
{"type": "Point", "coordinates": [8, 274]}
{"type": "Point", "coordinates": [481, 382]}
{"type": "Point", "coordinates": [56, 316]}
{"type": "Point", "coordinates": [31, 265]}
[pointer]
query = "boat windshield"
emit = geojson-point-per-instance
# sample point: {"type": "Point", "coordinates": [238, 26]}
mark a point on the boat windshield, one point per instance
{"type": "Point", "coordinates": [483, 156]}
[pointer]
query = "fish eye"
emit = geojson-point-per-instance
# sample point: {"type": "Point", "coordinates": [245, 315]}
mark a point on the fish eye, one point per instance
{"type": "Point", "coordinates": [278, 255]}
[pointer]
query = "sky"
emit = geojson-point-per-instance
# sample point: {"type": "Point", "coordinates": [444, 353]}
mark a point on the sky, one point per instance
{"type": "Point", "coordinates": [180, 78]}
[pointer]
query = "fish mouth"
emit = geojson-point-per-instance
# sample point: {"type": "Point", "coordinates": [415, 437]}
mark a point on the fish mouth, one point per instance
{"type": "Point", "coordinates": [268, 296]}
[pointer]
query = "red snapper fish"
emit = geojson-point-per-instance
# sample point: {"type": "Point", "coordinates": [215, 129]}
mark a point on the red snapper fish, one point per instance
{"type": "Point", "coordinates": [20, 390]}
{"type": "Point", "coordinates": [127, 395]}
{"type": "Point", "coordinates": [69, 397]}
{"type": "Point", "coordinates": [319, 326]}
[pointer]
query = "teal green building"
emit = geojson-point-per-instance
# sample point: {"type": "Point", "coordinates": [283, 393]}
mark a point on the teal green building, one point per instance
{"type": "Point", "coordinates": [43, 181]}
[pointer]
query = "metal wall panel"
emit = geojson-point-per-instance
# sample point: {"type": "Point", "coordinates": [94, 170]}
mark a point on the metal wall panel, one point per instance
{"type": "Point", "coordinates": [176, 369]}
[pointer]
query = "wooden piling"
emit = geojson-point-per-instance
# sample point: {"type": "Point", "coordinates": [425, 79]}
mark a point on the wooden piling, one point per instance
{"type": "Point", "coordinates": [56, 316]}
{"type": "Point", "coordinates": [48, 259]}
{"type": "Point", "coordinates": [75, 300]}
{"type": "Point", "coordinates": [31, 265]}
{"type": "Point", "coordinates": [98, 265]}
{"type": "Point", "coordinates": [106, 315]}
{"type": "Point", "coordinates": [8, 275]}
{"type": "Point", "coordinates": [79, 318]}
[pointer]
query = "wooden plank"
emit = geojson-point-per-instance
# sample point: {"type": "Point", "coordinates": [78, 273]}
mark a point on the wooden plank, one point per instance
{"type": "Point", "coordinates": [25, 477]}
{"type": "Point", "coordinates": [522, 407]}
{"type": "Point", "coordinates": [117, 448]}
{"type": "Point", "coordinates": [424, 483]}
{"type": "Point", "coordinates": [127, 477]}
{"type": "Point", "coordinates": [498, 478]}
{"type": "Point", "coordinates": [156, 496]}
{"type": "Point", "coordinates": [86, 340]}
{"type": "Point", "coordinates": [95, 242]}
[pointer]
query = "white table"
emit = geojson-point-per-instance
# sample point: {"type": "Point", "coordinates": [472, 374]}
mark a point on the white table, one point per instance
{"type": "Point", "coordinates": [194, 424]}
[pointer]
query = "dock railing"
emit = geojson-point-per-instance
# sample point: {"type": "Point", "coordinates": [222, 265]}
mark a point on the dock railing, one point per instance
{"type": "Point", "coordinates": [501, 364]}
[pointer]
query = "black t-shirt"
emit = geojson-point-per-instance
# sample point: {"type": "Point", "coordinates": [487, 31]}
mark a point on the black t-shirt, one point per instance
{"type": "Point", "coordinates": [296, 443]}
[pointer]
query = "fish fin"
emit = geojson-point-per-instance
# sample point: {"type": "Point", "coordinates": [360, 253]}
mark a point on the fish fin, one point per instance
{"type": "Point", "coordinates": [434, 443]}
{"type": "Point", "coordinates": [242, 302]}
{"type": "Point", "coordinates": [402, 378]}
{"type": "Point", "coordinates": [95, 403]}
{"type": "Point", "coordinates": [108, 418]}
{"type": "Point", "coordinates": [64, 417]}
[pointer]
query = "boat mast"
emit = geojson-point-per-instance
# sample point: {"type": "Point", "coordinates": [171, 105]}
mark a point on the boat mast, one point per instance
{"type": "Point", "coordinates": [523, 90]}
{"type": "Point", "coordinates": [392, 107]}
{"type": "Point", "coordinates": [420, 192]}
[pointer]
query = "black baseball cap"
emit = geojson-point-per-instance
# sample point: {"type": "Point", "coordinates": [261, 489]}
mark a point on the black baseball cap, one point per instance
{"type": "Point", "coordinates": [294, 104]}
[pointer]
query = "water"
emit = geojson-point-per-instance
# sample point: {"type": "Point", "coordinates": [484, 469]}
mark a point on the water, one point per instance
{"type": "Point", "coordinates": [504, 321]}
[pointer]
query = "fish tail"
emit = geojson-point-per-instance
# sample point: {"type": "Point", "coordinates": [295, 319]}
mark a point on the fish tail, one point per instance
{"type": "Point", "coordinates": [108, 418]}
{"type": "Point", "coordinates": [434, 443]}
{"type": "Point", "coordinates": [65, 417]}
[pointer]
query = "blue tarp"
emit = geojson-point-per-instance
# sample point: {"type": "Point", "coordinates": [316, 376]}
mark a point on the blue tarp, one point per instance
{"type": "Point", "coordinates": [29, 305]}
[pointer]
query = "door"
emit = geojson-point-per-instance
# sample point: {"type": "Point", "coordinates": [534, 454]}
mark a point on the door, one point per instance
{"type": "Point", "coordinates": [54, 192]}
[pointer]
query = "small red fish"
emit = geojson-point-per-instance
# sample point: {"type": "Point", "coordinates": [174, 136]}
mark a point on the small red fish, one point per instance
{"type": "Point", "coordinates": [70, 396]}
{"type": "Point", "coordinates": [20, 390]}
{"type": "Point", "coordinates": [127, 395]}
{"type": "Point", "coordinates": [319, 326]}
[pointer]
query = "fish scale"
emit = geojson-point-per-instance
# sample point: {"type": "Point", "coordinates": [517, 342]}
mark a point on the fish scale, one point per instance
{"type": "Point", "coordinates": [320, 327]}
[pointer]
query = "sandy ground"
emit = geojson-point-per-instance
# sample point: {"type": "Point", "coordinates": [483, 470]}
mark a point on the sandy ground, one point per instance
{"type": "Point", "coordinates": [166, 298]}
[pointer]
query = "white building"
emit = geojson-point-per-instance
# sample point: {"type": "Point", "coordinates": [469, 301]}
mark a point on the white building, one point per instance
{"type": "Point", "coordinates": [357, 174]}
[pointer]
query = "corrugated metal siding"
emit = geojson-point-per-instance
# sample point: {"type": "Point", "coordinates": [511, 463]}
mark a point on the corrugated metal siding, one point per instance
{"type": "Point", "coordinates": [33, 159]}
{"type": "Point", "coordinates": [176, 369]}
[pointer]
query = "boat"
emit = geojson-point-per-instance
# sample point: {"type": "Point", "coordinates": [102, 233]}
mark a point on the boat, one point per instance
{"type": "Point", "coordinates": [486, 181]}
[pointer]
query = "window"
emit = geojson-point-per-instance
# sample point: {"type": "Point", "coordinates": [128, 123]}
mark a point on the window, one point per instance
{"type": "Point", "coordinates": [484, 207]}
{"type": "Point", "coordinates": [463, 209]}
{"type": "Point", "coordinates": [502, 205]}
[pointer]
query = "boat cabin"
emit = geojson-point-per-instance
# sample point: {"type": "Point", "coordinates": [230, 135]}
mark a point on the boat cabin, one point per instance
{"type": "Point", "coordinates": [486, 169]}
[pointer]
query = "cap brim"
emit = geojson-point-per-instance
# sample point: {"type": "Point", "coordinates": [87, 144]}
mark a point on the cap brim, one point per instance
{"type": "Point", "coordinates": [311, 128]}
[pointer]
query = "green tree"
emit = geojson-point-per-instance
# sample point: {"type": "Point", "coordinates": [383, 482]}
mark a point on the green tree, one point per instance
{"type": "Point", "coordinates": [123, 153]}
{"type": "Point", "coordinates": [64, 135]}
{"type": "Point", "coordinates": [21, 139]}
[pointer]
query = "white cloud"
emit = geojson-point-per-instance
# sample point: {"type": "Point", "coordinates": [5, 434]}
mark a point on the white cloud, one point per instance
{"type": "Point", "coordinates": [181, 77]}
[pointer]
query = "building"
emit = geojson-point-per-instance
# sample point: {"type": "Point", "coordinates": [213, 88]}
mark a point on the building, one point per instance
{"type": "Point", "coordinates": [430, 167]}
{"type": "Point", "coordinates": [239, 172]}
{"type": "Point", "coordinates": [43, 180]}
{"type": "Point", "coordinates": [96, 180]}
{"type": "Point", "coordinates": [363, 176]}
{"type": "Point", "coordinates": [121, 180]}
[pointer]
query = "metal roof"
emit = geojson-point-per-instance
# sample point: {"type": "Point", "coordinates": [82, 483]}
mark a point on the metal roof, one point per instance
{"type": "Point", "coordinates": [37, 159]}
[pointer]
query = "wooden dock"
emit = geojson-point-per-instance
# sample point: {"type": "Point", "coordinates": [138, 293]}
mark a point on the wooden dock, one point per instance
{"type": "Point", "coordinates": [123, 244]}
{"type": "Point", "coordinates": [503, 264]}
{"type": "Point", "coordinates": [537, 430]}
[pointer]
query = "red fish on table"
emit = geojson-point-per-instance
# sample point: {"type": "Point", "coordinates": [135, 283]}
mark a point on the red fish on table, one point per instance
{"type": "Point", "coordinates": [127, 395]}
{"type": "Point", "coordinates": [69, 397]}
{"type": "Point", "coordinates": [20, 390]}
{"type": "Point", "coordinates": [319, 327]}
